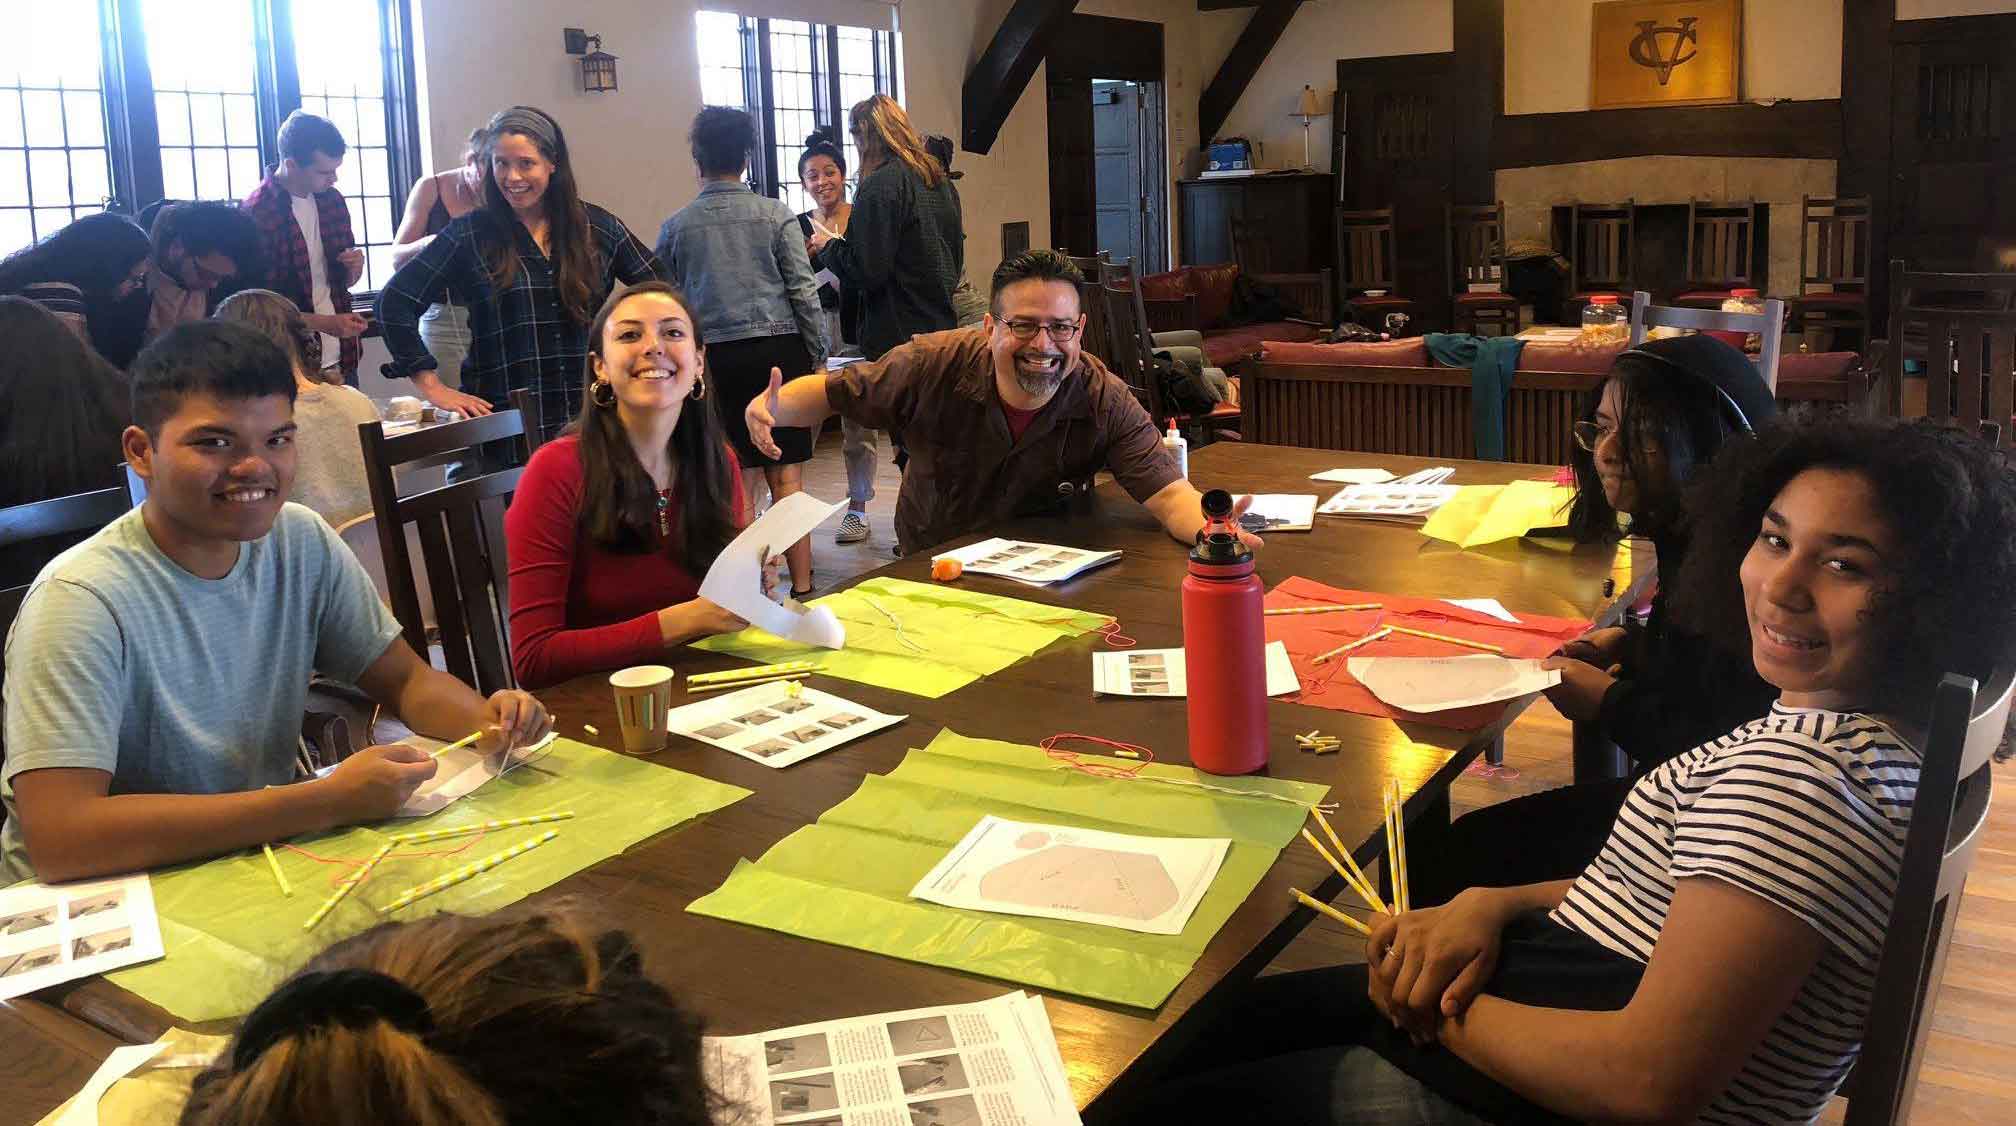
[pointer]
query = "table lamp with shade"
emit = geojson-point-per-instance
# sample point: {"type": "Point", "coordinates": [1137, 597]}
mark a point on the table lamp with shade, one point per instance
{"type": "Point", "coordinates": [1308, 108]}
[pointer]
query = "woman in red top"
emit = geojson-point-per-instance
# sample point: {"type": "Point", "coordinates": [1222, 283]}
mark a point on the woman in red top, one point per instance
{"type": "Point", "coordinates": [616, 521]}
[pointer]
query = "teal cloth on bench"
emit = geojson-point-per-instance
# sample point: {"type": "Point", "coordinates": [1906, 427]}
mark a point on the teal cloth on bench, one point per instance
{"type": "Point", "coordinates": [1492, 360]}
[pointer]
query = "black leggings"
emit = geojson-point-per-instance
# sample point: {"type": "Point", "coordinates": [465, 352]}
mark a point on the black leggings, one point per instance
{"type": "Point", "coordinates": [1552, 835]}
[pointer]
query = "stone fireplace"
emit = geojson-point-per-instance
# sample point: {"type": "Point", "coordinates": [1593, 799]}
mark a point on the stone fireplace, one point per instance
{"type": "Point", "coordinates": [1531, 196]}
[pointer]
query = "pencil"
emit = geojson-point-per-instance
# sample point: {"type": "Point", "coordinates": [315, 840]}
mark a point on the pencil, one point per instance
{"type": "Point", "coordinates": [694, 690]}
{"type": "Point", "coordinates": [1315, 904]}
{"type": "Point", "coordinates": [1400, 835]}
{"type": "Point", "coordinates": [1326, 609]}
{"type": "Point", "coordinates": [1368, 639]}
{"type": "Point", "coordinates": [427, 835]}
{"type": "Point", "coordinates": [466, 872]}
{"type": "Point", "coordinates": [279, 877]}
{"type": "Point", "coordinates": [1364, 881]}
{"type": "Point", "coordinates": [1487, 647]}
{"type": "Point", "coordinates": [458, 744]}
{"type": "Point", "coordinates": [349, 883]}
{"type": "Point", "coordinates": [1350, 881]}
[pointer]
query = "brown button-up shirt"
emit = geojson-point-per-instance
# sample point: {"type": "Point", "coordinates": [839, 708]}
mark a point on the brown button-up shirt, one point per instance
{"type": "Point", "coordinates": [965, 470]}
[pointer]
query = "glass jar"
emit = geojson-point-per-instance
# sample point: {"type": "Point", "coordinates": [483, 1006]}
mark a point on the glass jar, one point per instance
{"type": "Point", "coordinates": [1743, 301]}
{"type": "Point", "coordinates": [1603, 318]}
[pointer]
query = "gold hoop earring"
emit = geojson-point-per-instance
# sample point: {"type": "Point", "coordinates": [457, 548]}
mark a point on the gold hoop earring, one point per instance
{"type": "Point", "coordinates": [699, 388]}
{"type": "Point", "coordinates": [602, 393]}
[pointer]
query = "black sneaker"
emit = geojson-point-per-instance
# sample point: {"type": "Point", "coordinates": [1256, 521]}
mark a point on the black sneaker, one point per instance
{"type": "Point", "coordinates": [853, 529]}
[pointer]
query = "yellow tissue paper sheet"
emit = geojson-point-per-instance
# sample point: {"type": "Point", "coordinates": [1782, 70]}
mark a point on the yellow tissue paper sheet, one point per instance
{"type": "Point", "coordinates": [231, 937]}
{"type": "Point", "coordinates": [926, 639]}
{"type": "Point", "coordinates": [847, 878]}
{"type": "Point", "coordinates": [154, 1092]}
{"type": "Point", "coordinates": [1481, 514]}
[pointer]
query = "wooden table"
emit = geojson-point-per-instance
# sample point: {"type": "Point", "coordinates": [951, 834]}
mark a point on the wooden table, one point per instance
{"type": "Point", "coordinates": [744, 979]}
{"type": "Point", "coordinates": [46, 1056]}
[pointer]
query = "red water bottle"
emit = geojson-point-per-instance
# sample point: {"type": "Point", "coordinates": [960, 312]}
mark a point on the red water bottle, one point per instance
{"type": "Point", "coordinates": [1224, 647]}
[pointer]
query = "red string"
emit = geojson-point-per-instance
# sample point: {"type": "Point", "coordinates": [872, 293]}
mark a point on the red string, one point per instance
{"type": "Point", "coordinates": [1113, 637]}
{"type": "Point", "coordinates": [1102, 767]}
{"type": "Point", "coordinates": [349, 865]}
{"type": "Point", "coordinates": [1336, 664]}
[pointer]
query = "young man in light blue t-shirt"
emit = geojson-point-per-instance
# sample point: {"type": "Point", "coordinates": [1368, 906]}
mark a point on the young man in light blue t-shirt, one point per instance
{"type": "Point", "coordinates": [156, 672]}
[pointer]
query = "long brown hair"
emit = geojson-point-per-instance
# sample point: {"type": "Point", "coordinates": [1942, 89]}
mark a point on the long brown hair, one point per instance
{"type": "Point", "coordinates": [619, 507]}
{"type": "Point", "coordinates": [62, 408]}
{"type": "Point", "coordinates": [516, 1016]}
{"type": "Point", "coordinates": [276, 318]}
{"type": "Point", "coordinates": [577, 265]}
{"type": "Point", "coordinates": [886, 134]}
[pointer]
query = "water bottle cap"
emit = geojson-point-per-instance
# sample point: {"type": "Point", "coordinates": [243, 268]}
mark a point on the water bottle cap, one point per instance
{"type": "Point", "coordinates": [1219, 543]}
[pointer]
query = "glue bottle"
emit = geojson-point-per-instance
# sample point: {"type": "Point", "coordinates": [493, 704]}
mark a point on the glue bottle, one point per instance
{"type": "Point", "coordinates": [1178, 448]}
{"type": "Point", "coordinates": [1224, 647]}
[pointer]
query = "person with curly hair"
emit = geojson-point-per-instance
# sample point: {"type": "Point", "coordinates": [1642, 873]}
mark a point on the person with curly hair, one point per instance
{"type": "Point", "coordinates": [520, 1017]}
{"type": "Point", "coordinates": [1715, 963]}
{"type": "Point", "coordinates": [1652, 687]}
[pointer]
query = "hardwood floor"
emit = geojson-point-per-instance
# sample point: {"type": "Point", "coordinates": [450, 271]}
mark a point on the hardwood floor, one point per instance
{"type": "Point", "coordinates": [1969, 1074]}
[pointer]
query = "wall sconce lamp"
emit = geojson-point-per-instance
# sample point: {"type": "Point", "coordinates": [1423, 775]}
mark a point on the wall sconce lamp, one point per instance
{"type": "Point", "coordinates": [598, 67]}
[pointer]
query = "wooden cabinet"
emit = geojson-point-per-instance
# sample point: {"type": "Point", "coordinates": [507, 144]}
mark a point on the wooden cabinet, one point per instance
{"type": "Point", "coordinates": [1286, 217]}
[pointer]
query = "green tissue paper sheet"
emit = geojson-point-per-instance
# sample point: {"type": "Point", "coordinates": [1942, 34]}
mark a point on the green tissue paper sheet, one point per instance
{"type": "Point", "coordinates": [847, 878]}
{"type": "Point", "coordinates": [956, 636]}
{"type": "Point", "coordinates": [231, 936]}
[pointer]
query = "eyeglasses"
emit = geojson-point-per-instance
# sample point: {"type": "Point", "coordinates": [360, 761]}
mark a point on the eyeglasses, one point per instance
{"type": "Point", "coordinates": [1589, 435]}
{"type": "Point", "coordinates": [1063, 332]}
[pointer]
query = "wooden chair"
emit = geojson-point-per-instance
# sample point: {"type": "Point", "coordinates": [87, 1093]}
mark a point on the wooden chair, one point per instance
{"type": "Point", "coordinates": [1833, 270]}
{"type": "Point", "coordinates": [1251, 249]}
{"type": "Point", "coordinates": [1600, 253]}
{"type": "Point", "coordinates": [1133, 347]}
{"type": "Point", "coordinates": [461, 530]}
{"type": "Point", "coordinates": [1721, 253]}
{"type": "Point", "coordinates": [1949, 817]}
{"type": "Point", "coordinates": [1964, 328]}
{"type": "Point", "coordinates": [1365, 269]}
{"type": "Point", "coordinates": [1768, 325]}
{"type": "Point", "coordinates": [1096, 338]}
{"type": "Point", "coordinates": [1476, 235]}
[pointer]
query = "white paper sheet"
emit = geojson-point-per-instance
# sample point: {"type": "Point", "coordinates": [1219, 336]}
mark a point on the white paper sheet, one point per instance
{"type": "Point", "coordinates": [835, 363]}
{"type": "Point", "coordinates": [1280, 512]}
{"type": "Point", "coordinates": [1162, 672]}
{"type": "Point", "coordinates": [1435, 684]}
{"type": "Point", "coordinates": [765, 723]}
{"type": "Point", "coordinates": [52, 933]}
{"type": "Point", "coordinates": [824, 278]}
{"type": "Point", "coordinates": [990, 1063]}
{"type": "Point", "coordinates": [1387, 501]}
{"type": "Point", "coordinates": [1147, 884]}
{"type": "Point", "coordinates": [1489, 606]}
{"type": "Point", "coordinates": [735, 581]}
{"type": "Point", "coordinates": [1353, 476]}
{"type": "Point", "coordinates": [1037, 564]}
{"type": "Point", "coordinates": [462, 772]}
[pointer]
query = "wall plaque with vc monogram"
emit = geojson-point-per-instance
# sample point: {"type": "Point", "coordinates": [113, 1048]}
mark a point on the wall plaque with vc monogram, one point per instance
{"type": "Point", "coordinates": [1673, 53]}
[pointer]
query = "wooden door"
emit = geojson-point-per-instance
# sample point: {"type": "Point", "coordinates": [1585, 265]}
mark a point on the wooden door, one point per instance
{"type": "Point", "coordinates": [1074, 220]}
{"type": "Point", "coordinates": [1118, 176]}
{"type": "Point", "coordinates": [1953, 149]}
{"type": "Point", "coordinates": [1396, 132]}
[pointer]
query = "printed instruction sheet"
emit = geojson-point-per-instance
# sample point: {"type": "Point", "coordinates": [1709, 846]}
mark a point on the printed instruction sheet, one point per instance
{"type": "Point", "coordinates": [991, 1063]}
{"type": "Point", "coordinates": [1136, 883]}
{"type": "Point", "coordinates": [51, 933]}
{"type": "Point", "coordinates": [766, 723]}
{"type": "Point", "coordinates": [1280, 512]}
{"type": "Point", "coordinates": [1038, 564]}
{"type": "Point", "coordinates": [1161, 672]}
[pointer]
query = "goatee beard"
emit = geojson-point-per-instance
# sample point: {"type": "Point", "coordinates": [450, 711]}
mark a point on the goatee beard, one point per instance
{"type": "Point", "coordinates": [1038, 384]}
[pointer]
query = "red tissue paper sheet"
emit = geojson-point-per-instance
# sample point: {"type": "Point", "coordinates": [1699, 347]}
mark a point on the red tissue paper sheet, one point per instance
{"type": "Point", "coordinates": [1331, 685]}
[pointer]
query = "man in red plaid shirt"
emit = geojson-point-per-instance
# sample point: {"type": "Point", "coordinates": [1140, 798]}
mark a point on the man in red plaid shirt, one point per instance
{"type": "Point", "coordinates": [304, 226]}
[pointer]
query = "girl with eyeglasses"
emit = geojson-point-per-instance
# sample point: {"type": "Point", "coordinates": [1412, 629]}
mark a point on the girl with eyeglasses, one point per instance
{"type": "Point", "coordinates": [1650, 686]}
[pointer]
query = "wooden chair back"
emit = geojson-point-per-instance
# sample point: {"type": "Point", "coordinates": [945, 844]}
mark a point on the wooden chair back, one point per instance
{"type": "Point", "coordinates": [1476, 245]}
{"type": "Point", "coordinates": [1968, 323]}
{"type": "Point", "coordinates": [461, 531]}
{"type": "Point", "coordinates": [1833, 244]}
{"type": "Point", "coordinates": [1768, 325]}
{"type": "Point", "coordinates": [1721, 245]}
{"type": "Point", "coordinates": [1365, 250]}
{"type": "Point", "coordinates": [1133, 345]}
{"type": "Point", "coordinates": [1949, 817]}
{"type": "Point", "coordinates": [1601, 247]}
{"type": "Point", "coordinates": [527, 405]}
{"type": "Point", "coordinates": [1096, 337]}
{"type": "Point", "coordinates": [1252, 250]}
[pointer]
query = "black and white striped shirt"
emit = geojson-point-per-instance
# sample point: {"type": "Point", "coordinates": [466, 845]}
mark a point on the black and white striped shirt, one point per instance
{"type": "Point", "coordinates": [1806, 809]}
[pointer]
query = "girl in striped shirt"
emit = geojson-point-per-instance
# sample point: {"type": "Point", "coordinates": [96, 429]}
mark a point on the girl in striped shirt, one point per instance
{"type": "Point", "coordinates": [1715, 962]}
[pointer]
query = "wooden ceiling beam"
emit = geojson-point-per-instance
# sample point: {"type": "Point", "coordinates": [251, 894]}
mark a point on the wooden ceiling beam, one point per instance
{"type": "Point", "coordinates": [996, 81]}
{"type": "Point", "coordinates": [1264, 30]}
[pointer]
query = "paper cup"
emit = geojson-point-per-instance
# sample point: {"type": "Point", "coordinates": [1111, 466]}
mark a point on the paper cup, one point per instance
{"type": "Point", "coordinates": [643, 696]}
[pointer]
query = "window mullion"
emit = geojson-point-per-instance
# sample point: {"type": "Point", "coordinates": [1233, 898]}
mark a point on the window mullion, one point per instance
{"type": "Point", "coordinates": [402, 114]}
{"type": "Point", "coordinates": [272, 37]}
{"type": "Point", "coordinates": [831, 87]}
{"type": "Point", "coordinates": [131, 134]}
{"type": "Point", "coordinates": [766, 125]}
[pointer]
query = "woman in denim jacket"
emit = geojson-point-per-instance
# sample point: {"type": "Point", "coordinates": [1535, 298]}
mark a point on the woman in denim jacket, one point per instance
{"type": "Point", "coordinates": [740, 258]}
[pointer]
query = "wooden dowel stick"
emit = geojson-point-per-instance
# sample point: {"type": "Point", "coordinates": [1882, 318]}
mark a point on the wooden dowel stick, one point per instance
{"type": "Point", "coordinates": [694, 690]}
{"type": "Point", "coordinates": [1364, 881]}
{"type": "Point", "coordinates": [1368, 639]}
{"type": "Point", "coordinates": [427, 835]}
{"type": "Point", "coordinates": [1400, 834]}
{"type": "Point", "coordinates": [349, 883]}
{"type": "Point", "coordinates": [1392, 852]}
{"type": "Point", "coordinates": [1350, 881]}
{"type": "Point", "coordinates": [279, 877]}
{"type": "Point", "coordinates": [1467, 644]}
{"type": "Point", "coordinates": [467, 872]}
{"type": "Point", "coordinates": [1316, 904]}
{"type": "Point", "coordinates": [458, 744]}
{"type": "Point", "coordinates": [1326, 609]}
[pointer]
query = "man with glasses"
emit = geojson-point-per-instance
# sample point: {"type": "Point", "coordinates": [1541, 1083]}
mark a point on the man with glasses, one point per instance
{"type": "Point", "coordinates": [1006, 419]}
{"type": "Point", "coordinates": [202, 252]}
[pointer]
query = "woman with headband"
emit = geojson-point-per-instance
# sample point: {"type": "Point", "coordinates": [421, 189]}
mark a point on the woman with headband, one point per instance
{"type": "Point", "coordinates": [533, 264]}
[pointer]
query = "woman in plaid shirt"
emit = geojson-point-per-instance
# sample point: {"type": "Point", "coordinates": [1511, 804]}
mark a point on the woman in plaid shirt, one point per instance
{"type": "Point", "coordinates": [532, 265]}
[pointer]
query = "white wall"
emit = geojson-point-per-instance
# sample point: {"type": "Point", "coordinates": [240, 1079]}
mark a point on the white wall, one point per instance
{"type": "Point", "coordinates": [1791, 49]}
{"type": "Point", "coordinates": [1320, 33]}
